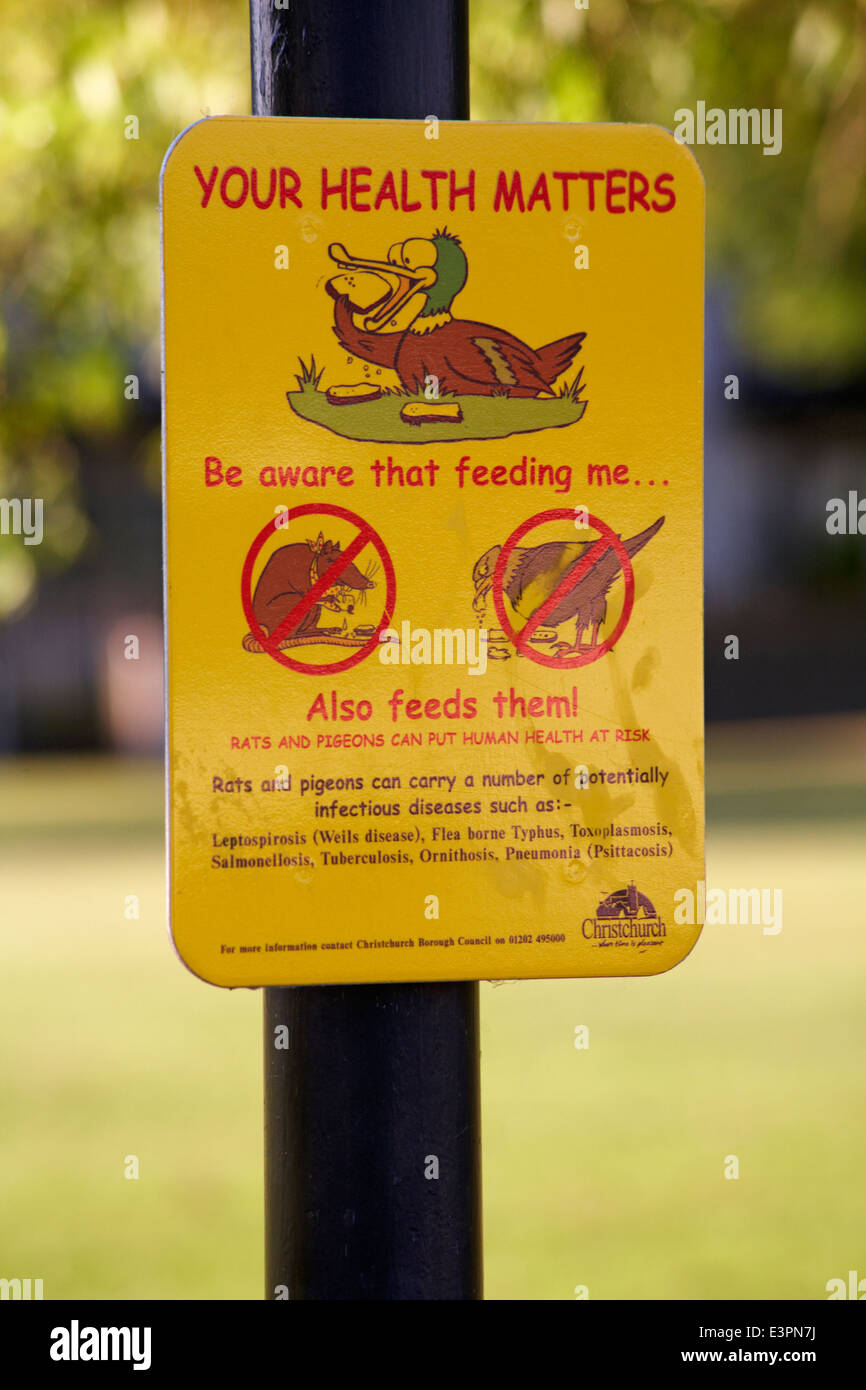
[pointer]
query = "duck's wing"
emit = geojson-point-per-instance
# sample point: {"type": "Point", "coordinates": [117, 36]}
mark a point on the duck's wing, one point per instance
{"type": "Point", "coordinates": [490, 357]}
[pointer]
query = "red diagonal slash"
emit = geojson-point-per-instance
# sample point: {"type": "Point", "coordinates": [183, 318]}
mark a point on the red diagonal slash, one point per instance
{"type": "Point", "coordinates": [366, 536]}
{"type": "Point", "coordinates": [565, 586]}
{"type": "Point", "coordinates": [321, 586]}
{"type": "Point", "coordinates": [608, 539]}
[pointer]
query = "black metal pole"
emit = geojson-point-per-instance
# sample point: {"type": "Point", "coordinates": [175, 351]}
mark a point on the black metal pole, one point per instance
{"type": "Point", "coordinates": [378, 1090]}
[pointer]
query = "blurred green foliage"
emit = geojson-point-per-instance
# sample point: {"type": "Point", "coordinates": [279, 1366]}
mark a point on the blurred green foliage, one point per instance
{"type": "Point", "coordinates": [786, 232]}
{"type": "Point", "coordinates": [79, 232]}
{"type": "Point", "coordinates": [79, 225]}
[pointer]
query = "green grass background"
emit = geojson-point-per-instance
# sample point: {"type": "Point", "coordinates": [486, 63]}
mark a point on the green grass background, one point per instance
{"type": "Point", "coordinates": [602, 1167]}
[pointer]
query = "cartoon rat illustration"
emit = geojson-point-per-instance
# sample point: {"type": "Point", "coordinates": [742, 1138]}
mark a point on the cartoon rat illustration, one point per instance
{"type": "Point", "coordinates": [289, 574]}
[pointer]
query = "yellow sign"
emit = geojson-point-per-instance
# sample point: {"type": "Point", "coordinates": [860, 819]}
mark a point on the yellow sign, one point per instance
{"type": "Point", "coordinates": [433, 534]}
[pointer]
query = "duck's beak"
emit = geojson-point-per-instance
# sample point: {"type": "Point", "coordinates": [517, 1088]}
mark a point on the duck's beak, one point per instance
{"type": "Point", "coordinates": [401, 282]}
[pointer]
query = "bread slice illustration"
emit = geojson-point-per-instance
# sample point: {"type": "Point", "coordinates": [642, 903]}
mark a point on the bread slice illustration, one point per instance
{"type": "Point", "coordinates": [353, 395]}
{"type": "Point", "coordinates": [431, 413]}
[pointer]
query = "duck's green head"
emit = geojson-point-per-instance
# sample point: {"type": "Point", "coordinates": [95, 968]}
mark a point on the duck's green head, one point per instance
{"type": "Point", "coordinates": [435, 267]}
{"type": "Point", "coordinates": [451, 268]}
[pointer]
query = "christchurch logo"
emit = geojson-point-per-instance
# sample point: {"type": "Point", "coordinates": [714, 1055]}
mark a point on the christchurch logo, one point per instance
{"type": "Point", "coordinates": [625, 918]}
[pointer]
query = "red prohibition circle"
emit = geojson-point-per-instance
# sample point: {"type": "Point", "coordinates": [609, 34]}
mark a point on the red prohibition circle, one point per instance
{"type": "Point", "coordinates": [366, 536]}
{"type": "Point", "coordinates": [605, 534]}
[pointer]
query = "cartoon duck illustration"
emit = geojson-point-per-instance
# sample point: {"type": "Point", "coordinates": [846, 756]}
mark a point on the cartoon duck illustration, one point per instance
{"type": "Point", "coordinates": [468, 358]}
{"type": "Point", "coordinates": [533, 573]}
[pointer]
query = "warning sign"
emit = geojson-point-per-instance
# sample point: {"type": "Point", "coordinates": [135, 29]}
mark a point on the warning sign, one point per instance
{"type": "Point", "coordinates": [433, 533]}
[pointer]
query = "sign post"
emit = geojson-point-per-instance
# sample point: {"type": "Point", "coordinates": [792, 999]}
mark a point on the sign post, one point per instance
{"type": "Point", "coordinates": [433, 429]}
{"type": "Point", "coordinates": [377, 1085]}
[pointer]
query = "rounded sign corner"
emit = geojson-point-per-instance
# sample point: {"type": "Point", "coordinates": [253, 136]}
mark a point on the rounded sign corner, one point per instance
{"type": "Point", "coordinates": [182, 136]}
{"type": "Point", "coordinates": [682, 149]}
{"type": "Point", "coordinates": [666, 969]}
{"type": "Point", "coordinates": [194, 971]}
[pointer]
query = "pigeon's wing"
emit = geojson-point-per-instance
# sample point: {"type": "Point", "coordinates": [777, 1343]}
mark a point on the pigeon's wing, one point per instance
{"type": "Point", "coordinates": [589, 588]}
{"type": "Point", "coordinates": [542, 569]}
{"type": "Point", "coordinates": [601, 574]}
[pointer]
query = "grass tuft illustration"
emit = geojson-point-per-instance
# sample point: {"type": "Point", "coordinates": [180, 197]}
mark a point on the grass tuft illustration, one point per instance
{"type": "Point", "coordinates": [573, 390]}
{"type": "Point", "coordinates": [484, 417]}
{"type": "Point", "coordinates": [309, 378]}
